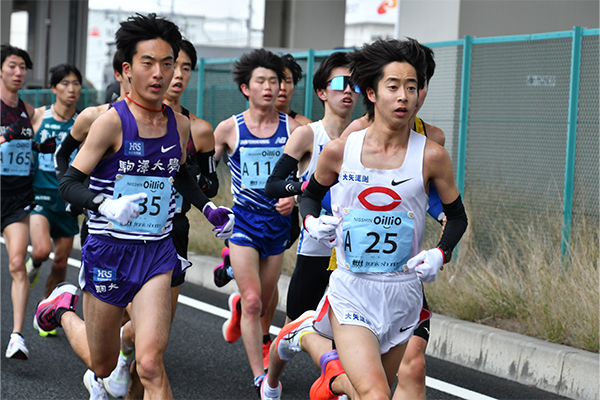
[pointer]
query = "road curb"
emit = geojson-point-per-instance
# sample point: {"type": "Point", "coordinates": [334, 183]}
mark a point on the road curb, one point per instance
{"type": "Point", "coordinates": [562, 370]}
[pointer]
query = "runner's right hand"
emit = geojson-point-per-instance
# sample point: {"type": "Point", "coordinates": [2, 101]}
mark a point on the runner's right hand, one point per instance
{"type": "Point", "coordinates": [122, 210]}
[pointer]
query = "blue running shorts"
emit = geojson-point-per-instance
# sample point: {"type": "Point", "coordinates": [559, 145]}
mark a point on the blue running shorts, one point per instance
{"type": "Point", "coordinates": [269, 233]}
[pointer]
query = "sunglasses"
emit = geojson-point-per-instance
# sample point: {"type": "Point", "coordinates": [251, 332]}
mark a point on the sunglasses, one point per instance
{"type": "Point", "coordinates": [340, 83]}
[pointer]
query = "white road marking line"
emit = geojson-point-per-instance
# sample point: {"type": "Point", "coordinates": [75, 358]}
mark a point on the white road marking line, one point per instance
{"type": "Point", "coordinates": [455, 390]}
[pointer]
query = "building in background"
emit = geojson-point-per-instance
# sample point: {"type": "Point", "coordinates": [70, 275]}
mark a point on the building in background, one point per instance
{"type": "Point", "coordinates": [200, 30]}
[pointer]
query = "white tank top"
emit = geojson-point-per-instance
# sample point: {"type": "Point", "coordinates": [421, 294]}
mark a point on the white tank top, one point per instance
{"type": "Point", "coordinates": [307, 246]}
{"type": "Point", "coordinates": [383, 210]}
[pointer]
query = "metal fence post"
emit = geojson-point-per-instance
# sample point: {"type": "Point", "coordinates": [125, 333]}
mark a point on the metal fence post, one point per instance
{"type": "Point", "coordinates": [308, 90]}
{"type": "Point", "coordinates": [571, 144]}
{"type": "Point", "coordinates": [200, 93]}
{"type": "Point", "coordinates": [464, 115]}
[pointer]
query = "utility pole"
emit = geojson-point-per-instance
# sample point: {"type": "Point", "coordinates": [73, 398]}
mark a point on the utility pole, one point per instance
{"type": "Point", "coordinates": [249, 23]}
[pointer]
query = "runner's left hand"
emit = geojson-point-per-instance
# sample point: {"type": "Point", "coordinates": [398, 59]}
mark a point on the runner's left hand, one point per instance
{"type": "Point", "coordinates": [221, 217]}
{"type": "Point", "coordinates": [427, 264]}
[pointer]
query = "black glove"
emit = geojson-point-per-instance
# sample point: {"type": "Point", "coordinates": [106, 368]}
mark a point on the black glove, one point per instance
{"type": "Point", "coordinates": [49, 146]}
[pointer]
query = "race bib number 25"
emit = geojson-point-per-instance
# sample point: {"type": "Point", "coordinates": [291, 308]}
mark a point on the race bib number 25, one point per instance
{"type": "Point", "coordinates": [376, 241]}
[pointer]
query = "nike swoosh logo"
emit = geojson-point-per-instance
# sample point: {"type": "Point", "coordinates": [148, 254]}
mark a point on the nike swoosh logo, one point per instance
{"type": "Point", "coordinates": [394, 183]}
{"type": "Point", "coordinates": [405, 329]}
{"type": "Point", "coordinates": [162, 149]}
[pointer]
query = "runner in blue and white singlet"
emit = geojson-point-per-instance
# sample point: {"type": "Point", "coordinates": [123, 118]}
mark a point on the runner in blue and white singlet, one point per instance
{"type": "Point", "coordinates": [251, 164]}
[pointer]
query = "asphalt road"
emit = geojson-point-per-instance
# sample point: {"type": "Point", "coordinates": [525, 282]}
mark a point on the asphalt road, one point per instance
{"type": "Point", "coordinates": [200, 364]}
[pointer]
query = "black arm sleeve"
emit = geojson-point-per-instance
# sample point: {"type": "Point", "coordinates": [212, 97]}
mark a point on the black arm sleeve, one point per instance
{"type": "Point", "coordinates": [63, 154]}
{"type": "Point", "coordinates": [209, 182]}
{"type": "Point", "coordinates": [189, 189]}
{"type": "Point", "coordinates": [72, 190]}
{"type": "Point", "coordinates": [312, 196]}
{"type": "Point", "coordinates": [455, 226]}
{"type": "Point", "coordinates": [277, 185]}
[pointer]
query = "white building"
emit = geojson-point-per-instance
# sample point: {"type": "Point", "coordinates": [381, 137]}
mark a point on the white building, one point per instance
{"type": "Point", "coordinates": [208, 31]}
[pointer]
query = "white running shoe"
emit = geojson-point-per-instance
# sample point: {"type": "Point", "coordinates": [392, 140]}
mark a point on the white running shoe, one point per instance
{"type": "Point", "coordinates": [288, 339]}
{"type": "Point", "coordinates": [16, 347]}
{"type": "Point", "coordinates": [33, 273]}
{"type": "Point", "coordinates": [117, 383]}
{"type": "Point", "coordinates": [94, 386]}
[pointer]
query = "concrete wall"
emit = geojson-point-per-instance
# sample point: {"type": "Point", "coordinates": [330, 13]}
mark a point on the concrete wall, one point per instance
{"type": "Point", "coordinates": [6, 7]}
{"type": "Point", "coordinates": [314, 24]}
{"type": "Point", "coordinates": [67, 34]}
{"type": "Point", "coordinates": [508, 17]}
{"type": "Point", "coordinates": [430, 21]}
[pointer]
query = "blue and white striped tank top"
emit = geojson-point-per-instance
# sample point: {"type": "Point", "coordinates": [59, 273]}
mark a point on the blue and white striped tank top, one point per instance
{"type": "Point", "coordinates": [251, 163]}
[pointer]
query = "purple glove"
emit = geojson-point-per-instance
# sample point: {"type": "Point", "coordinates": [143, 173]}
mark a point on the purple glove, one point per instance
{"type": "Point", "coordinates": [221, 217]}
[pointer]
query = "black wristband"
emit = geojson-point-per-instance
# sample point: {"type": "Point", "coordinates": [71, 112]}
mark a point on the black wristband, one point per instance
{"type": "Point", "coordinates": [209, 181]}
{"type": "Point", "coordinates": [63, 154]}
{"type": "Point", "coordinates": [456, 224]}
{"type": "Point", "coordinates": [72, 190]}
{"type": "Point", "coordinates": [312, 197]}
{"type": "Point", "coordinates": [277, 185]}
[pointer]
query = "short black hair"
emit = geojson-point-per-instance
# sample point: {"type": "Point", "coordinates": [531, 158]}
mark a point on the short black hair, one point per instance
{"type": "Point", "coordinates": [368, 62]}
{"type": "Point", "coordinates": [334, 60]}
{"type": "Point", "coordinates": [8, 50]}
{"type": "Point", "coordinates": [118, 62]}
{"type": "Point", "coordinates": [190, 50]}
{"type": "Point", "coordinates": [248, 62]}
{"type": "Point", "coordinates": [58, 73]}
{"type": "Point", "coordinates": [138, 28]}
{"type": "Point", "coordinates": [430, 62]}
{"type": "Point", "coordinates": [290, 63]}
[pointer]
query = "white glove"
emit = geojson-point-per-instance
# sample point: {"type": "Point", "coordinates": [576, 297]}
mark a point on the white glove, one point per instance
{"type": "Point", "coordinates": [427, 264]}
{"type": "Point", "coordinates": [322, 229]}
{"type": "Point", "coordinates": [123, 210]}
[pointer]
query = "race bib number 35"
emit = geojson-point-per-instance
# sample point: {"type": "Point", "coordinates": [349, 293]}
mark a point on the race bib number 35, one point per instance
{"type": "Point", "coordinates": [376, 241]}
{"type": "Point", "coordinates": [154, 209]}
{"type": "Point", "coordinates": [257, 163]}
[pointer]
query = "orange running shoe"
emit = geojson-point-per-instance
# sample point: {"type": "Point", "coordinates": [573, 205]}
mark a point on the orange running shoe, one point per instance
{"type": "Point", "coordinates": [330, 368]}
{"type": "Point", "coordinates": [266, 349]}
{"type": "Point", "coordinates": [231, 328]}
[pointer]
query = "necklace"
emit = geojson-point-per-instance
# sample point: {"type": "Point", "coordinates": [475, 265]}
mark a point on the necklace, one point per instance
{"type": "Point", "coordinates": [63, 117]}
{"type": "Point", "coordinates": [14, 102]}
{"type": "Point", "coordinates": [145, 108]}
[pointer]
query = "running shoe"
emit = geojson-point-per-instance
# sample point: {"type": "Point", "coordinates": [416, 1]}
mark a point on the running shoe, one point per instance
{"type": "Point", "coordinates": [42, 332]}
{"type": "Point", "coordinates": [330, 368]}
{"type": "Point", "coordinates": [264, 387]}
{"type": "Point", "coordinates": [258, 383]}
{"type": "Point", "coordinates": [220, 275]}
{"type": "Point", "coordinates": [33, 272]}
{"type": "Point", "coordinates": [94, 386]}
{"type": "Point", "coordinates": [64, 296]}
{"type": "Point", "coordinates": [16, 347]}
{"type": "Point", "coordinates": [118, 382]}
{"type": "Point", "coordinates": [266, 349]}
{"type": "Point", "coordinates": [231, 328]}
{"type": "Point", "coordinates": [288, 339]}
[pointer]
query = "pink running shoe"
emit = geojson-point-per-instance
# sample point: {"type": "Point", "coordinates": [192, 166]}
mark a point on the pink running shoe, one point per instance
{"type": "Point", "coordinates": [64, 296]}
